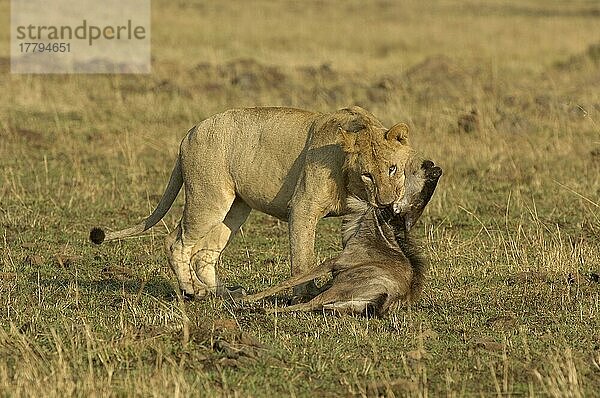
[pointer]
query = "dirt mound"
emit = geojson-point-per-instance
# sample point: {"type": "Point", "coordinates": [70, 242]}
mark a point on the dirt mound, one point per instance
{"type": "Point", "coordinates": [591, 56]}
{"type": "Point", "coordinates": [469, 122]}
{"type": "Point", "coordinates": [244, 73]}
{"type": "Point", "coordinates": [438, 77]}
{"type": "Point", "coordinates": [300, 86]}
{"type": "Point", "coordinates": [434, 68]}
{"type": "Point", "coordinates": [322, 72]}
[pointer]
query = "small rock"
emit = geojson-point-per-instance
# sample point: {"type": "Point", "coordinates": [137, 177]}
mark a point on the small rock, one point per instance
{"type": "Point", "coordinates": [417, 354]}
{"type": "Point", "coordinates": [64, 260]}
{"type": "Point", "coordinates": [429, 335]}
{"type": "Point", "coordinates": [34, 260]}
{"type": "Point", "coordinates": [489, 345]}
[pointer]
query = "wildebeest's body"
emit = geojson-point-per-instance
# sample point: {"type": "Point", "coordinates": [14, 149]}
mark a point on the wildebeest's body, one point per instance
{"type": "Point", "coordinates": [379, 267]}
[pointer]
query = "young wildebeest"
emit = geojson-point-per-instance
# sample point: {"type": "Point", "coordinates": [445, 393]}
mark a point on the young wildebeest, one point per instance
{"type": "Point", "coordinates": [379, 266]}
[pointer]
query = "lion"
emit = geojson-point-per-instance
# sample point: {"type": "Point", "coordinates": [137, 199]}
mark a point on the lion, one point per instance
{"type": "Point", "coordinates": [379, 267]}
{"type": "Point", "coordinates": [296, 165]}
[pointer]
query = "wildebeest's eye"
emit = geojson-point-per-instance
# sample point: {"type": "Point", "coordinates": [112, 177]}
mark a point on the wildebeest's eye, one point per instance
{"type": "Point", "coordinates": [392, 170]}
{"type": "Point", "coordinates": [367, 176]}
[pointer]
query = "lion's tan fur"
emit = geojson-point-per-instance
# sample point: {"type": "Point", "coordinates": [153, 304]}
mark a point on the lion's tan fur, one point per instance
{"type": "Point", "coordinates": [296, 165]}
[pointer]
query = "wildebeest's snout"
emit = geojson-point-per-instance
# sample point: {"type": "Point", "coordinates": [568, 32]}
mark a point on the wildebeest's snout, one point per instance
{"type": "Point", "coordinates": [432, 172]}
{"type": "Point", "coordinates": [419, 187]}
{"type": "Point", "coordinates": [427, 164]}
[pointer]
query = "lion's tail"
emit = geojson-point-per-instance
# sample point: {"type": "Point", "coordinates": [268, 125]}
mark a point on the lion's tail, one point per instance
{"type": "Point", "coordinates": [97, 235]}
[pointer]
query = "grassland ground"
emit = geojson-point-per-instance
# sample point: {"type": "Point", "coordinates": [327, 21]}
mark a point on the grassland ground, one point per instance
{"type": "Point", "coordinates": [504, 95]}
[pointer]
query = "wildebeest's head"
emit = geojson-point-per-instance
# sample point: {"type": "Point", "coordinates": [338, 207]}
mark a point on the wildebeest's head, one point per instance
{"type": "Point", "coordinates": [421, 178]}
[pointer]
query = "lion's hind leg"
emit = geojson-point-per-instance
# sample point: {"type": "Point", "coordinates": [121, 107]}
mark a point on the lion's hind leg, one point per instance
{"type": "Point", "coordinates": [202, 212]}
{"type": "Point", "coordinates": [188, 281]}
{"type": "Point", "coordinates": [207, 251]}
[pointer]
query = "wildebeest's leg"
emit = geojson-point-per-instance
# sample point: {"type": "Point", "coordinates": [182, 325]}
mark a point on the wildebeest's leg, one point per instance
{"type": "Point", "coordinates": [367, 307]}
{"type": "Point", "coordinates": [322, 269]}
{"type": "Point", "coordinates": [206, 253]}
{"type": "Point", "coordinates": [305, 307]}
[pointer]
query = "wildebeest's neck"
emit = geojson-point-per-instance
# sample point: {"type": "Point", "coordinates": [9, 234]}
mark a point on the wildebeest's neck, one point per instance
{"type": "Point", "coordinates": [376, 226]}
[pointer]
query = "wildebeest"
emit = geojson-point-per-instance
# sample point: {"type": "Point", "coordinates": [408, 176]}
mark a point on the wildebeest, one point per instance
{"type": "Point", "coordinates": [379, 267]}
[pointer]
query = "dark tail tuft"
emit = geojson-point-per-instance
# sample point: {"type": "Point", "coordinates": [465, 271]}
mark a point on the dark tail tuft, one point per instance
{"type": "Point", "coordinates": [97, 235]}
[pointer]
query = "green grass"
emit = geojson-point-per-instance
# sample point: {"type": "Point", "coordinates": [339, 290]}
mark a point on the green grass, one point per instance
{"type": "Point", "coordinates": [512, 301]}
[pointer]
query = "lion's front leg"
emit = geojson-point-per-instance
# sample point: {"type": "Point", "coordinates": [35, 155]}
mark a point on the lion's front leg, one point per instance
{"type": "Point", "coordinates": [302, 250]}
{"type": "Point", "coordinates": [305, 213]}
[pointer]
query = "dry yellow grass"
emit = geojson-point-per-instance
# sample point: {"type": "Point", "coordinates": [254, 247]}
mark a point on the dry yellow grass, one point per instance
{"type": "Point", "coordinates": [512, 302]}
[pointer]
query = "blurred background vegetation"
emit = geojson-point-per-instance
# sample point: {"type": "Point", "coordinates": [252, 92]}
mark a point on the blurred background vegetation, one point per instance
{"type": "Point", "coordinates": [504, 95]}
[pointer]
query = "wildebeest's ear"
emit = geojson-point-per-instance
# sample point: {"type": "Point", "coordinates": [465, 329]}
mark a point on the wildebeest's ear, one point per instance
{"type": "Point", "coordinates": [398, 132]}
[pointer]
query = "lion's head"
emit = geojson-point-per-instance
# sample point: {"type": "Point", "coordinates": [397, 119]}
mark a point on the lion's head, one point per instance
{"type": "Point", "coordinates": [375, 156]}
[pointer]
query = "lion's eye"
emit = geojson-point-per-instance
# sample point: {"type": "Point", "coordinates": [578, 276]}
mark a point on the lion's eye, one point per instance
{"type": "Point", "coordinates": [367, 176]}
{"type": "Point", "coordinates": [393, 170]}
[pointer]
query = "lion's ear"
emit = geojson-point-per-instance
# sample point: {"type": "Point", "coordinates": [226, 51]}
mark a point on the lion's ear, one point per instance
{"type": "Point", "coordinates": [347, 140]}
{"type": "Point", "coordinates": [398, 132]}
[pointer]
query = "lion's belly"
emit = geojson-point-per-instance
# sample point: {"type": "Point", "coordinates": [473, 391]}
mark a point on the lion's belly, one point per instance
{"type": "Point", "coordinates": [276, 210]}
{"type": "Point", "coordinates": [267, 157]}
{"type": "Point", "coordinates": [267, 183]}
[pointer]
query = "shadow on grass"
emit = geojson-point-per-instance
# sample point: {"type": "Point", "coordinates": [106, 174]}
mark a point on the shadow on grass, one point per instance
{"type": "Point", "coordinates": [158, 288]}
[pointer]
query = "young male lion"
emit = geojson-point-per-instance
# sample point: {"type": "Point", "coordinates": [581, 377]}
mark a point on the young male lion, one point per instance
{"type": "Point", "coordinates": [379, 267]}
{"type": "Point", "coordinates": [295, 165]}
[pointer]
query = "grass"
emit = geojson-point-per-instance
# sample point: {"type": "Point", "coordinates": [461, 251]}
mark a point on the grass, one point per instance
{"type": "Point", "coordinates": [511, 305]}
